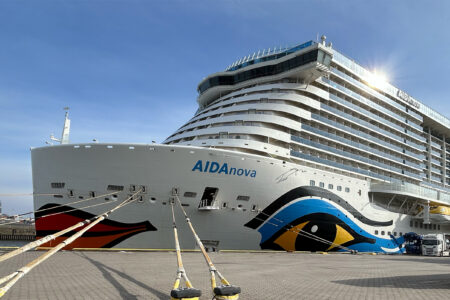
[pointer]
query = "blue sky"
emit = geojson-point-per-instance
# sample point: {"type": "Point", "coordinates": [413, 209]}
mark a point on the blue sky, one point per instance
{"type": "Point", "coordinates": [129, 69]}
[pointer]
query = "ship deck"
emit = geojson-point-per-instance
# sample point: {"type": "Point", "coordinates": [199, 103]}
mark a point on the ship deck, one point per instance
{"type": "Point", "coordinates": [150, 275]}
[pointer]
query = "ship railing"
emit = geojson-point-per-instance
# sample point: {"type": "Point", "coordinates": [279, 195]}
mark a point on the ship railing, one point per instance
{"type": "Point", "coordinates": [409, 188]}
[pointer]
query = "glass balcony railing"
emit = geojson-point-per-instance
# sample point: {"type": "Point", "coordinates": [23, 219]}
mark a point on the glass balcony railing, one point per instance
{"type": "Point", "coordinates": [434, 144]}
{"type": "Point", "coordinates": [419, 191]}
{"type": "Point", "coordinates": [350, 155]}
{"type": "Point", "coordinates": [436, 178]}
{"type": "Point", "coordinates": [415, 115]}
{"type": "Point", "coordinates": [375, 106]}
{"type": "Point", "coordinates": [363, 73]}
{"type": "Point", "coordinates": [357, 132]}
{"type": "Point", "coordinates": [365, 112]}
{"type": "Point", "coordinates": [434, 152]}
{"type": "Point", "coordinates": [360, 122]}
{"type": "Point", "coordinates": [418, 127]}
{"type": "Point", "coordinates": [342, 166]}
{"type": "Point", "coordinates": [436, 170]}
{"type": "Point", "coordinates": [373, 127]}
{"type": "Point", "coordinates": [356, 145]}
{"type": "Point", "coordinates": [367, 101]}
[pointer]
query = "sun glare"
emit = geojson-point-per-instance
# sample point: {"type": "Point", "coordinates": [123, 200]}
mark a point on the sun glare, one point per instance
{"type": "Point", "coordinates": [377, 79]}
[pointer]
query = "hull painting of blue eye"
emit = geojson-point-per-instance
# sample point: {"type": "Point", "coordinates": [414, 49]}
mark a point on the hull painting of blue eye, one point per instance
{"type": "Point", "coordinates": [319, 225]}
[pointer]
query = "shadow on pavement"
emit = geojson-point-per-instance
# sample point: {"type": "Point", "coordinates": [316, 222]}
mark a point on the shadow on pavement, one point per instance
{"type": "Point", "coordinates": [422, 259]}
{"type": "Point", "coordinates": [434, 281]}
{"type": "Point", "coordinates": [106, 271]}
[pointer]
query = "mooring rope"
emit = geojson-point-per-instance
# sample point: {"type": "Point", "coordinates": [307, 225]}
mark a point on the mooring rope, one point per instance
{"type": "Point", "coordinates": [15, 276]}
{"type": "Point", "coordinates": [181, 272]}
{"type": "Point", "coordinates": [65, 211]}
{"type": "Point", "coordinates": [57, 234]}
{"type": "Point", "coordinates": [235, 290]}
{"type": "Point", "coordinates": [64, 204]}
{"type": "Point", "coordinates": [25, 194]}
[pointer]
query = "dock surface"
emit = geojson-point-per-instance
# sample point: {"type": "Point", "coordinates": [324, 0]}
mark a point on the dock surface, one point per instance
{"type": "Point", "coordinates": [150, 275]}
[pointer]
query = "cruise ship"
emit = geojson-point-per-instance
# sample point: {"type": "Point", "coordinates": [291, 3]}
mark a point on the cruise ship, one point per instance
{"type": "Point", "coordinates": [296, 149]}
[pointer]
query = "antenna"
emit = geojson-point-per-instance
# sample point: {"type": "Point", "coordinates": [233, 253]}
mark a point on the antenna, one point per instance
{"type": "Point", "coordinates": [65, 133]}
{"type": "Point", "coordinates": [66, 129]}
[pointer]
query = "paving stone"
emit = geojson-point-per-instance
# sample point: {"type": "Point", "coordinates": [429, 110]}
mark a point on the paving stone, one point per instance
{"type": "Point", "coordinates": [150, 275]}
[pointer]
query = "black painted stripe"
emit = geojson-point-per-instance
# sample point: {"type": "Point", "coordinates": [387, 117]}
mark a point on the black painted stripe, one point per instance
{"type": "Point", "coordinates": [310, 191]}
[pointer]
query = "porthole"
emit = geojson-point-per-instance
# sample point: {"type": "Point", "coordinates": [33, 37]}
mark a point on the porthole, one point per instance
{"type": "Point", "coordinates": [376, 232]}
{"type": "Point", "coordinates": [382, 232]}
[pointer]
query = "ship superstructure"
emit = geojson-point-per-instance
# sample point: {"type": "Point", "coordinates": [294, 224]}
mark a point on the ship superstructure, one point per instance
{"type": "Point", "coordinates": [300, 137]}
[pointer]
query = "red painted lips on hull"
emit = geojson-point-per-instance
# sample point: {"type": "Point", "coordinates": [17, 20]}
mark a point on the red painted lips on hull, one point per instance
{"type": "Point", "coordinates": [106, 234]}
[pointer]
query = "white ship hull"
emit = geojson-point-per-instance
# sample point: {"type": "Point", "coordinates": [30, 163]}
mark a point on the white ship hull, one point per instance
{"type": "Point", "coordinates": [258, 223]}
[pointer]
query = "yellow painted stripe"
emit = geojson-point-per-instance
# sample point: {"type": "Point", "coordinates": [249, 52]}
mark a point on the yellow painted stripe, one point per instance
{"type": "Point", "coordinates": [288, 238]}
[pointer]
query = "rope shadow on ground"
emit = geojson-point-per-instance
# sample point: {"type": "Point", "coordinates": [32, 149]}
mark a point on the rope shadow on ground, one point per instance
{"type": "Point", "coordinates": [124, 294]}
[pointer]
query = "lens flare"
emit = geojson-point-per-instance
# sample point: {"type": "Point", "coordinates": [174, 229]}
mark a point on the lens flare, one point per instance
{"type": "Point", "coordinates": [377, 79]}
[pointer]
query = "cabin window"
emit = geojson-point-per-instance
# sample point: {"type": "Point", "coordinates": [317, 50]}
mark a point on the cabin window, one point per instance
{"type": "Point", "coordinates": [376, 232]}
{"type": "Point", "coordinates": [71, 195]}
{"type": "Point", "coordinates": [92, 194]}
{"type": "Point", "coordinates": [190, 194]}
{"type": "Point", "coordinates": [421, 225]}
{"type": "Point", "coordinates": [57, 185]}
{"type": "Point", "coordinates": [112, 187]}
{"type": "Point", "coordinates": [434, 226]}
{"type": "Point", "coordinates": [321, 184]}
{"type": "Point", "coordinates": [439, 227]}
{"type": "Point", "coordinates": [382, 232]}
{"type": "Point", "coordinates": [389, 233]}
{"type": "Point", "coordinates": [339, 188]}
{"type": "Point", "coordinates": [209, 195]}
{"type": "Point", "coordinates": [416, 224]}
{"type": "Point", "coordinates": [243, 198]}
{"type": "Point", "coordinates": [400, 234]}
{"type": "Point", "coordinates": [411, 223]}
{"type": "Point", "coordinates": [312, 183]}
{"type": "Point", "coordinates": [347, 190]}
{"type": "Point", "coordinates": [224, 205]}
{"type": "Point", "coordinates": [330, 186]}
{"type": "Point", "coordinates": [254, 207]}
{"type": "Point", "coordinates": [395, 233]}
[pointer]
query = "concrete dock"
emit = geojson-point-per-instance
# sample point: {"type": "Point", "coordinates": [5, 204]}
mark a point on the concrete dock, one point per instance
{"type": "Point", "coordinates": [150, 275]}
